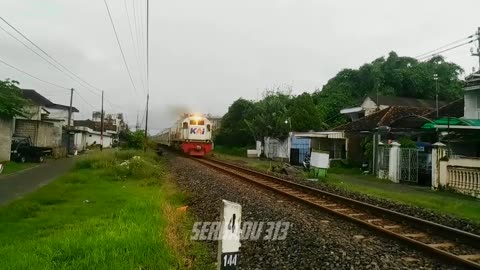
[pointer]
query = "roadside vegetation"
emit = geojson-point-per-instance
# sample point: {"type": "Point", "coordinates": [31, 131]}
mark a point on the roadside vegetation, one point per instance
{"type": "Point", "coordinates": [279, 111]}
{"type": "Point", "coordinates": [115, 210]}
{"type": "Point", "coordinates": [14, 167]}
{"type": "Point", "coordinates": [352, 179]}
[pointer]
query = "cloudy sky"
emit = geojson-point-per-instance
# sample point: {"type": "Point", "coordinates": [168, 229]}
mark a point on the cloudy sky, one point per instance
{"type": "Point", "coordinates": [205, 54]}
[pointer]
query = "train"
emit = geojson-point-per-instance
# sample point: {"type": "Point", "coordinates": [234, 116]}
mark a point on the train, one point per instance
{"type": "Point", "coordinates": [192, 135]}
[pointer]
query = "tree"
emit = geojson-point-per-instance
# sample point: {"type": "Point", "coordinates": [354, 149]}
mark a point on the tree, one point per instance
{"type": "Point", "coordinates": [11, 101]}
{"type": "Point", "coordinates": [303, 113]}
{"type": "Point", "coordinates": [234, 130]}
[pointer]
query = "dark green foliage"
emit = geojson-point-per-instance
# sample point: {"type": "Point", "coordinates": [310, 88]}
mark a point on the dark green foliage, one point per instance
{"type": "Point", "coordinates": [406, 142]}
{"type": "Point", "coordinates": [133, 140]}
{"type": "Point", "coordinates": [247, 121]}
{"type": "Point", "coordinates": [11, 101]}
{"type": "Point", "coordinates": [394, 76]}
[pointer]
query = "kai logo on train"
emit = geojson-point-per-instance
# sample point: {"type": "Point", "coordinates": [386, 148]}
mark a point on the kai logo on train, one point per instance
{"type": "Point", "coordinates": [197, 131]}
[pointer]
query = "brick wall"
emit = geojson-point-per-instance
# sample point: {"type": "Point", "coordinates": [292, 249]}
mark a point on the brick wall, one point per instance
{"type": "Point", "coordinates": [5, 139]}
{"type": "Point", "coordinates": [42, 133]}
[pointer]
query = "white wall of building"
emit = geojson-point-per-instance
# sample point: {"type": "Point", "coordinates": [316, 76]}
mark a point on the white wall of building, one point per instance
{"type": "Point", "coordinates": [85, 137]}
{"type": "Point", "coordinates": [472, 104]}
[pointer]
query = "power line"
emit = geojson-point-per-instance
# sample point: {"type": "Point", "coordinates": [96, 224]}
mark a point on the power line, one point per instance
{"type": "Point", "coordinates": [49, 56]}
{"type": "Point", "coordinates": [445, 50]}
{"type": "Point", "coordinates": [134, 45]}
{"type": "Point", "coordinates": [442, 47]}
{"type": "Point", "coordinates": [32, 50]}
{"type": "Point", "coordinates": [120, 46]}
{"type": "Point", "coordinates": [84, 100]}
{"type": "Point", "coordinates": [35, 77]}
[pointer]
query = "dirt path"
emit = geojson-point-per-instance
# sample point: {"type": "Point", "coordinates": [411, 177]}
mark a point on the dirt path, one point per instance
{"type": "Point", "coordinates": [15, 185]}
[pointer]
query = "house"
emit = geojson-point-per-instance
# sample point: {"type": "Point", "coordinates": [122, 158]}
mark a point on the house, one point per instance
{"type": "Point", "coordinates": [110, 119]}
{"type": "Point", "coordinates": [44, 120]}
{"type": "Point", "coordinates": [372, 104]}
{"type": "Point", "coordinates": [88, 132]}
{"type": "Point", "coordinates": [472, 96]}
{"type": "Point", "coordinates": [85, 137]}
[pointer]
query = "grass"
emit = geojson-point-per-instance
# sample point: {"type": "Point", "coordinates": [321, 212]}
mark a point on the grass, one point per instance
{"type": "Point", "coordinates": [102, 216]}
{"type": "Point", "coordinates": [444, 202]}
{"type": "Point", "coordinates": [231, 151]}
{"type": "Point", "coordinates": [352, 179]}
{"type": "Point", "coordinates": [13, 167]}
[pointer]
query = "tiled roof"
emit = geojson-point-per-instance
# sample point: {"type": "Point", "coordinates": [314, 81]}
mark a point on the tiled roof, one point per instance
{"type": "Point", "coordinates": [40, 100]}
{"type": "Point", "coordinates": [384, 117]}
{"type": "Point", "coordinates": [407, 102]}
{"type": "Point", "coordinates": [36, 98]}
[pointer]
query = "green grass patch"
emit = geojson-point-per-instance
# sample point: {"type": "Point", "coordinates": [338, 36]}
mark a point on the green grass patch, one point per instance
{"type": "Point", "coordinates": [443, 202]}
{"type": "Point", "coordinates": [232, 151]}
{"type": "Point", "coordinates": [102, 215]}
{"type": "Point", "coordinates": [13, 167]}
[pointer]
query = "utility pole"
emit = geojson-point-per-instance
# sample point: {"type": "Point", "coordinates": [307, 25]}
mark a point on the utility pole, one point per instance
{"type": "Point", "coordinates": [69, 120]}
{"type": "Point", "coordinates": [478, 49]}
{"type": "Point", "coordinates": [435, 78]}
{"type": "Point", "coordinates": [101, 126]}
{"type": "Point", "coordinates": [148, 80]}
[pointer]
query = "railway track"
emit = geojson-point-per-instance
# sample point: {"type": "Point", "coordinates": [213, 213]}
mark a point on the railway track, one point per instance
{"type": "Point", "coordinates": [451, 244]}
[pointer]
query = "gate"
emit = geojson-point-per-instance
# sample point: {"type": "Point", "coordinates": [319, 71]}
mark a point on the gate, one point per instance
{"type": "Point", "coordinates": [300, 148]}
{"type": "Point", "coordinates": [408, 165]}
{"type": "Point", "coordinates": [383, 161]}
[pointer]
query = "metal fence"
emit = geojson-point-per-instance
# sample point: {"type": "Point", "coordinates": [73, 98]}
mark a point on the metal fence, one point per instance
{"type": "Point", "coordinates": [408, 165]}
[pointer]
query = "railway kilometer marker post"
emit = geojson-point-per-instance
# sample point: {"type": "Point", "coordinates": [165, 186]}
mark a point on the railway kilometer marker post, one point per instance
{"type": "Point", "coordinates": [229, 244]}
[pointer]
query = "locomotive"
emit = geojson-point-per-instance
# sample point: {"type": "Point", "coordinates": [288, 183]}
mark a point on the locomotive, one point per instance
{"type": "Point", "coordinates": [192, 135]}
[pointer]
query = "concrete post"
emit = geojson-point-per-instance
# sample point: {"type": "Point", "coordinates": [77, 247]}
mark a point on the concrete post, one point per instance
{"type": "Point", "coordinates": [394, 162]}
{"type": "Point", "coordinates": [438, 152]}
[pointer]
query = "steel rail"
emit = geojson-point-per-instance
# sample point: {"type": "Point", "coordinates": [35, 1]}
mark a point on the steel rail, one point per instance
{"type": "Point", "coordinates": [311, 196]}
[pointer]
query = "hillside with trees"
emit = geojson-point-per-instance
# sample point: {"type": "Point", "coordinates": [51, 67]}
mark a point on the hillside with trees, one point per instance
{"type": "Point", "coordinates": [279, 111]}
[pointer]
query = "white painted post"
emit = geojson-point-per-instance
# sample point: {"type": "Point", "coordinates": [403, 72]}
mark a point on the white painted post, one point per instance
{"type": "Point", "coordinates": [394, 162]}
{"type": "Point", "coordinates": [438, 152]}
{"type": "Point", "coordinates": [229, 244]}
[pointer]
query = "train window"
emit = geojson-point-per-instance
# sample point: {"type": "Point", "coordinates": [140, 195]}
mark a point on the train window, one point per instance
{"type": "Point", "coordinates": [201, 122]}
{"type": "Point", "coordinates": [208, 127]}
{"type": "Point", "coordinates": [193, 122]}
{"type": "Point", "coordinates": [185, 125]}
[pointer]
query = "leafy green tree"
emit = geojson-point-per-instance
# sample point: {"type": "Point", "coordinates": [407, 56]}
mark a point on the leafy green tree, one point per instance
{"type": "Point", "coordinates": [12, 102]}
{"type": "Point", "coordinates": [235, 130]}
{"type": "Point", "coordinates": [303, 114]}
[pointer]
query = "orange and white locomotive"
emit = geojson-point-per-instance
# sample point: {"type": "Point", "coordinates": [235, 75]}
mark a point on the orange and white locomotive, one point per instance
{"type": "Point", "coordinates": [193, 135]}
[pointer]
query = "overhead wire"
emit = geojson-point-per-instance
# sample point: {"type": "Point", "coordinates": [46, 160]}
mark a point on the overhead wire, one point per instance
{"type": "Point", "coordinates": [81, 82]}
{"type": "Point", "coordinates": [138, 21]}
{"type": "Point", "coordinates": [120, 47]}
{"type": "Point", "coordinates": [32, 76]}
{"type": "Point", "coordinates": [444, 46]}
{"type": "Point", "coordinates": [134, 46]}
{"type": "Point", "coordinates": [85, 101]}
{"type": "Point", "coordinates": [445, 50]}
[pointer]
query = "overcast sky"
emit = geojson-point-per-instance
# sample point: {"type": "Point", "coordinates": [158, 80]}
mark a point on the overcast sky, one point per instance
{"type": "Point", "coordinates": [205, 54]}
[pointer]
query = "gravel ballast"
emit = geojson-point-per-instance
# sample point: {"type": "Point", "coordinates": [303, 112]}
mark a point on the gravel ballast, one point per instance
{"type": "Point", "coordinates": [315, 240]}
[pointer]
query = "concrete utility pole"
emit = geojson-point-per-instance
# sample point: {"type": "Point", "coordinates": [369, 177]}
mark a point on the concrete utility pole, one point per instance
{"type": "Point", "coordinates": [69, 120]}
{"type": "Point", "coordinates": [478, 49]}
{"type": "Point", "coordinates": [101, 126]}
{"type": "Point", "coordinates": [435, 78]}
{"type": "Point", "coordinates": [148, 77]}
